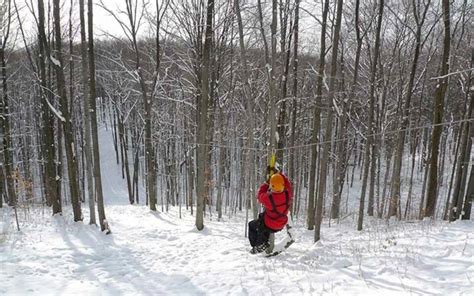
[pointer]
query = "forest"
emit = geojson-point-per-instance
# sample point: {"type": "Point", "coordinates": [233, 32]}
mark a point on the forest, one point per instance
{"type": "Point", "coordinates": [367, 106]}
{"type": "Point", "coordinates": [135, 135]}
{"type": "Point", "coordinates": [198, 96]}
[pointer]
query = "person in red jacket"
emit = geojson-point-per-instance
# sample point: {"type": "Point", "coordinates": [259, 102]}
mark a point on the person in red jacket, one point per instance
{"type": "Point", "coordinates": [276, 196]}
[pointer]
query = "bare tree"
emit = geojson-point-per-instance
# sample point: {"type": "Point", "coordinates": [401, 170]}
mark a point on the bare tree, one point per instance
{"type": "Point", "coordinates": [270, 64]}
{"type": "Point", "coordinates": [248, 96]}
{"type": "Point", "coordinates": [285, 57]}
{"type": "Point", "coordinates": [104, 226]}
{"type": "Point", "coordinates": [291, 159]}
{"type": "Point", "coordinates": [339, 182]}
{"type": "Point", "coordinates": [202, 136]}
{"type": "Point", "coordinates": [134, 17]}
{"type": "Point", "coordinates": [312, 197]}
{"type": "Point", "coordinates": [419, 14]}
{"type": "Point", "coordinates": [328, 131]}
{"type": "Point", "coordinates": [7, 147]}
{"type": "Point", "coordinates": [469, 197]}
{"type": "Point", "coordinates": [69, 145]}
{"type": "Point", "coordinates": [86, 117]}
{"type": "Point", "coordinates": [441, 86]}
{"type": "Point", "coordinates": [463, 157]}
{"type": "Point", "coordinates": [370, 123]}
{"type": "Point", "coordinates": [48, 149]}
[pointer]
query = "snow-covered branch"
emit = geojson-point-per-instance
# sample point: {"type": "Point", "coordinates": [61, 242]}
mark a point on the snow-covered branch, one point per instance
{"type": "Point", "coordinates": [451, 74]}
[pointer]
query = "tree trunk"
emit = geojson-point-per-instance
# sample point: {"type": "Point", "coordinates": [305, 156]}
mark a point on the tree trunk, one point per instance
{"type": "Point", "coordinates": [328, 134]}
{"type": "Point", "coordinates": [410, 189]}
{"type": "Point", "coordinates": [312, 196]}
{"type": "Point", "coordinates": [124, 145]}
{"type": "Point", "coordinates": [202, 136]}
{"type": "Point", "coordinates": [66, 120]}
{"type": "Point", "coordinates": [136, 164]}
{"type": "Point", "coordinates": [86, 118]}
{"type": "Point", "coordinates": [463, 158]}
{"type": "Point", "coordinates": [221, 164]}
{"type": "Point", "coordinates": [370, 124]}
{"type": "Point", "coordinates": [2, 183]}
{"type": "Point", "coordinates": [5, 115]}
{"type": "Point", "coordinates": [285, 51]}
{"type": "Point", "coordinates": [104, 226]}
{"type": "Point", "coordinates": [291, 160]}
{"type": "Point", "coordinates": [48, 120]}
{"type": "Point", "coordinates": [469, 198]}
{"type": "Point", "coordinates": [388, 163]}
{"type": "Point", "coordinates": [249, 106]}
{"type": "Point", "coordinates": [438, 116]}
{"type": "Point", "coordinates": [336, 204]}
{"type": "Point", "coordinates": [115, 139]}
{"type": "Point", "coordinates": [373, 168]}
{"type": "Point", "coordinates": [339, 160]}
{"type": "Point", "coordinates": [271, 70]}
{"type": "Point", "coordinates": [447, 209]}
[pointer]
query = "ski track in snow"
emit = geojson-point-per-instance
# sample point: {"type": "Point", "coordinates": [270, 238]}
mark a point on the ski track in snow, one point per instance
{"type": "Point", "coordinates": [158, 253]}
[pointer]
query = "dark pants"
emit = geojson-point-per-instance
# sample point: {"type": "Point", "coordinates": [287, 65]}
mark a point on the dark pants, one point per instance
{"type": "Point", "coordinates": [258, 232]}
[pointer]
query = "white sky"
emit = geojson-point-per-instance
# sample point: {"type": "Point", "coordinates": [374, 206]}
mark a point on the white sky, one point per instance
{"type": "Point", "coordinates": [105, 25]}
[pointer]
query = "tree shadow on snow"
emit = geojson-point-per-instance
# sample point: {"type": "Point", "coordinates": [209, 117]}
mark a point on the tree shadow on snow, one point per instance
{"type": "Point", "coordinates": [117, 268]}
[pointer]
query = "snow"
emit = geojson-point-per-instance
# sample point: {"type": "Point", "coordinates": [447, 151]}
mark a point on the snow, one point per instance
{"type": "Point", "coordinates": [55, 61]}
{"type": "Point", "coordinates": [157, 253]}
{"type": "Point", "coordinates": [58, 113]}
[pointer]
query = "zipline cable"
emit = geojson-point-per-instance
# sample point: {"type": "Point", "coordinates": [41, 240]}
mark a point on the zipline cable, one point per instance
{"type": "Point", "coordinates": [333, 140]}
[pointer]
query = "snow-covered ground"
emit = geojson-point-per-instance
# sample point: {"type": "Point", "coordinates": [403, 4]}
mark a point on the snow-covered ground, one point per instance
{"type": "Point", "coordinates": [160, 254]}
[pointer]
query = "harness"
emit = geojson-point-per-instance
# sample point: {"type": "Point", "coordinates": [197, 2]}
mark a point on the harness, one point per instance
{"type": "Point", "coordinates": [274, 210]}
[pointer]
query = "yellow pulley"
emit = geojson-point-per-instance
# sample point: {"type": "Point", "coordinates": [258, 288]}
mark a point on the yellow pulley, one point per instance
{"type": "Point", "coordinates": [271, 165]}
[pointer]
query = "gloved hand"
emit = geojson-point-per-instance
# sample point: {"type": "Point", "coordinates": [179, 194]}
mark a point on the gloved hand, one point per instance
{"type": "Point", "coordinates": [270, 171]}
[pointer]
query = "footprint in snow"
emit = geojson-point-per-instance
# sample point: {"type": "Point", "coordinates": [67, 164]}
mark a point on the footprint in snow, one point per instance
{"type": "Point", "coordinates": [344, 263]}
{"type": "Point", "coordinates": [231, 250]}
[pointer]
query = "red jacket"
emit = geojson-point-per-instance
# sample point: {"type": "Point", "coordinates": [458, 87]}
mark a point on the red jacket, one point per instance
{"type": "Point", "coordinates": [277, 219]}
